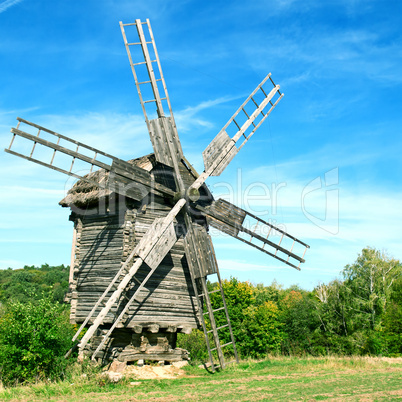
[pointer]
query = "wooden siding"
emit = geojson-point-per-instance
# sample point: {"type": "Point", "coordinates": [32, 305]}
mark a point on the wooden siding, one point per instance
{"type": "Point", "coordinates": [103, 242]}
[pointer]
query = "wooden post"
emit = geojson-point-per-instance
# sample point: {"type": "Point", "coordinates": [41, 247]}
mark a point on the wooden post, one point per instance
{"type": "Point", "coordinates": [72, 261]}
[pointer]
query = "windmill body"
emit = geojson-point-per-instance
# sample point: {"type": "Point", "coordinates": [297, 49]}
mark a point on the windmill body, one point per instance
{"type": "Point", "coordinates": [107, 228]}
{"type": "Point", "coordinates": [141, 248]}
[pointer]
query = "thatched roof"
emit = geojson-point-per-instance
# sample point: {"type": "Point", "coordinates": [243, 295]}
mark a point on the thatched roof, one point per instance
{"type": "Point", "coordinates": [85, 193]}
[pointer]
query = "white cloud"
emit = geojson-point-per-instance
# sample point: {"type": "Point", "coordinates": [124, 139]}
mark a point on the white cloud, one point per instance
{"type": "Point", "coordinates": [122, 135]}
{"type": "Point", "coordinates": [187, 119]}
{"type": "Point", "coordinates": [7, 4]}
{"type": "Point", "coordinates": [243, 266]}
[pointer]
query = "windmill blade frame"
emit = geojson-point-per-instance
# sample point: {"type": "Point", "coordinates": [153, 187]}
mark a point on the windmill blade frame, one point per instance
{"type": "Point", "coordinates": [162, 130]}
{"type": "Point", "coordinates": [230, 219]}
{"type": "Point", "coordinates": [120, 172]}
{"type": "Point", "coordinates": [223, 148]}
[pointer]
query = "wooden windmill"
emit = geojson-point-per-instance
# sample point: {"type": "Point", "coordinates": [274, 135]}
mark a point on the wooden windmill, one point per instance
{"type": "Point", "coordinates": [141, 248]}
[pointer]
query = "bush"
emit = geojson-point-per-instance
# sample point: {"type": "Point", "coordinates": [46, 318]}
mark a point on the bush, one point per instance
{"type": "Point", "coordinates": [34, 336]}
{"type": "Point", "coordinates": [260, 332]}
{"type": "Point", "coordinates": [195, 344]}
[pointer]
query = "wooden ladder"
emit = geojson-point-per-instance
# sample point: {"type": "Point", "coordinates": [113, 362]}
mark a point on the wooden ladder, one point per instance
{"type": "Point", "coordinates": [210, 312]}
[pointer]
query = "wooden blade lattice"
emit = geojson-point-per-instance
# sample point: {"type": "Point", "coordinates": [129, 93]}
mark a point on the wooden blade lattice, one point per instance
{"type": "Point", "coordinates": [152, 91]}
{"type": "Point", "coordinates": [256, 232]}
{"type": "Point", "coordinates": [76, 159]}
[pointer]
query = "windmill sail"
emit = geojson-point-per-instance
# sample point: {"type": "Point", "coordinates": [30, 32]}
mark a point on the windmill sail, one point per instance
{"type": "Point", "coordinates": [244, 123]}
{"type": "Point", "coordinates": [121, 172]}
{"type": "Point", "coordinates": [200, 252]}
{"type": "Point", "coordinates": [162, 130]}
{"type": "Point", "coordinates": [223, 148]}
{"type": "Point", "coordinates": [256, 232]}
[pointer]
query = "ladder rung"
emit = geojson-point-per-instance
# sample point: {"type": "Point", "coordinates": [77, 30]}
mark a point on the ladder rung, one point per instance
{"type": "Point", "coordinates": [153, 100]}
{"type": "Point", "coordinates": [136, 280]}
{"type": "Point", "coordinates": [126, 297]}
{"type": "Point", "coordinates": [133, 23]}
{"type": "Point", "coordinates": [142, 62]}
{"type": "Point", "coordinates": [148, 82]}
{"type": "Point", "coordinates": [223, 326]}
{"type": "Point", "coordinates": [257, 105]}
{"type": "Point", "coordinates": [137, 43]}
{"type": "Point", "coordinates": [262, 89]}
{"type": "Point", "coordinates": [248, 117]}
{"type": "Point", "coordinates": [266, 94]}
{"type": "Point", "coordinates": [213, 311]}
{"type": "Point", "coordinates": [222, 346]}
{"type": "Point", "coordinates": [235, 122]}
{"type": "Point", "coordinates": [214, 291]}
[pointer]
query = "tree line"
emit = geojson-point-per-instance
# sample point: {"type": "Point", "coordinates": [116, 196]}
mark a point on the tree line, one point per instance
{"type": "Point", "coordinates": [359, 313]}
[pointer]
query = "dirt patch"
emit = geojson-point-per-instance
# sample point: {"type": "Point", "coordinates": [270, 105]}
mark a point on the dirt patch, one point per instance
{"type": "Point", "coordinates": [147, 372]}
{"type": "Point", "coordinates": [154, 372]}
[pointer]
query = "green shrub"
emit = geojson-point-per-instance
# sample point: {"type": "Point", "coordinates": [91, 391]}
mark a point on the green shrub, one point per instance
{"type": "Point", "coordinates": [260, 331]}
{"type": "Point", "coordinates": [195, 344]}
{"type": "Point", "coordinates": [34, 336]}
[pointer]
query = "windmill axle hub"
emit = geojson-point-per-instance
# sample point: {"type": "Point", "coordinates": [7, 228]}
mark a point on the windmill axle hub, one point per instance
{"type": "Point", "coordinates": [192, 194]}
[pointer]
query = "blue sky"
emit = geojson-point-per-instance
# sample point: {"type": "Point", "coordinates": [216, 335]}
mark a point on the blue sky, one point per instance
{"type": "Point", "coordinates": [325, 165]}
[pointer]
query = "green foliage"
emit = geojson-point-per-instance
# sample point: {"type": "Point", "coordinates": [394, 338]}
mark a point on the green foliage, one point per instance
{"type": "Point", "coordinates": [357, 314]}
{"type": "Point", "coordinates": [34, 336]}
{"type": "Point", "coordinates": [31, 282]}
{"type": "Point", "coordinates": [360, 314]}
{"type": "Point", "coordinates": [260, 332]}
{"type": "Point", "coordinates": [368, 282]}
{"type": "Point", "coordinates": [256, 327]}
{"type": "Point", "coordinates": [195, 344]}
{"type": "Point", "coordinates": [263, 293]}
{"type": "Point", "coordinates": [301, 324]}
{"type": "Point", "coordinates": [392, 331]}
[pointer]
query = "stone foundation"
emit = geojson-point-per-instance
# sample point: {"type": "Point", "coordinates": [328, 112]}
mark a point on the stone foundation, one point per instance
{"type": "Point", "coordinates": [127, 346]}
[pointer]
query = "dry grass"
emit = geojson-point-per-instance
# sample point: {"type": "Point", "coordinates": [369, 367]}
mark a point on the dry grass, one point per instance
{"type": "Point", "coordinates": [276, 378]}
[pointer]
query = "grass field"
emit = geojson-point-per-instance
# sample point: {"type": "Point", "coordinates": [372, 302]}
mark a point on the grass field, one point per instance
{"type": "Point", "coordinates": [276, 378]}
